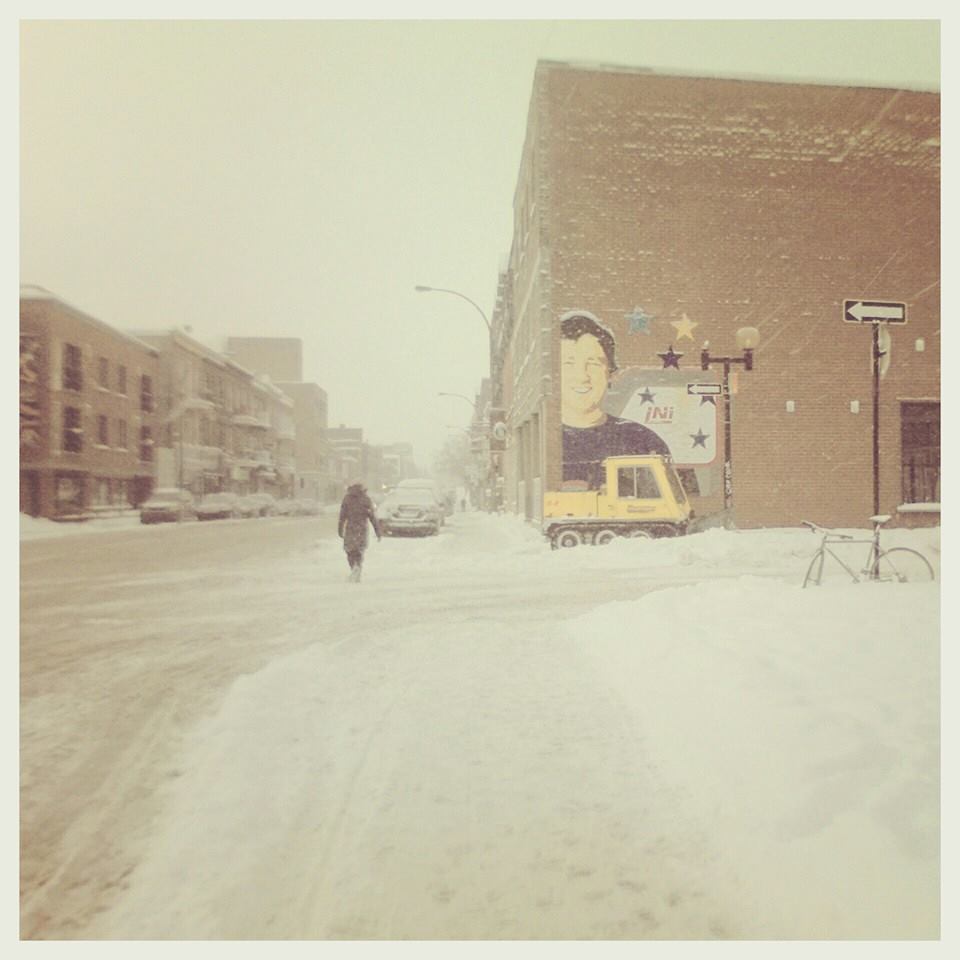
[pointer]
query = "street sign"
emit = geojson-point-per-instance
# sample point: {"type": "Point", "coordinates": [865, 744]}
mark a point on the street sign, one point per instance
{"type": "Point", "coordinates": [884, 346]}
{"type": "Point", "coordinates": [498, 429]}
{"type": "Point", "coordinates": [704, 389]}
{"type": "Point", "coordinates": [874, 311]}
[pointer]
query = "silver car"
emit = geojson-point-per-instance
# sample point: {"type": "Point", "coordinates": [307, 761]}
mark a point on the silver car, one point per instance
{"type": "Point", "coordinates": [167, 505]}
{"type": "Point", "coordinates": [267, 503]}
{"type": "Point", "coordinates": [218, 506]}
{"type": "Point", "coordinates": [409, 511]}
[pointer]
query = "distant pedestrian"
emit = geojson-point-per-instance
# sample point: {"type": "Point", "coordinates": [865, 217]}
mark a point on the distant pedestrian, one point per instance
{"type": "Point", "coordinates": [463, 504]}
{"type": "Point", "coordinates": [355, 510]}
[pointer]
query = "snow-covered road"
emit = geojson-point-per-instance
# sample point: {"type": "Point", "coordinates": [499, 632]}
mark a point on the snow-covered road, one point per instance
{"type": "Point", "coordinates": [489, 740]}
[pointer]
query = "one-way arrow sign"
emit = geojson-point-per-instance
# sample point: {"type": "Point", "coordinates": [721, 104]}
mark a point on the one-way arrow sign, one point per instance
{"type": "Point", "coordinates": [874, 311]}
{"type": "Point", "coordinates": [704, 389]}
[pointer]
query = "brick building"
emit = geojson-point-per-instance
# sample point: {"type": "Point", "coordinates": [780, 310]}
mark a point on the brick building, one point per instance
{"type": "Point", "coordinates": [88, 412]}
{"type": "Point", "coordinates": [281, 359]}
{"type": "Point", "coordinates": [680, 209]}
{"type": "Point", "coordinates": [222, 426]}
{"type": "Point", "coordinates": [348, 459]}
{"type": "Point", "coordinates": [311, 455]}
{"type": "Point", "coordinates": [398, 464]}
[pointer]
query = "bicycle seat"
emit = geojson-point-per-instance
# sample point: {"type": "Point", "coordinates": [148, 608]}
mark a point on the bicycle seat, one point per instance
{"type": "Point", "coordinates": [880, 518]}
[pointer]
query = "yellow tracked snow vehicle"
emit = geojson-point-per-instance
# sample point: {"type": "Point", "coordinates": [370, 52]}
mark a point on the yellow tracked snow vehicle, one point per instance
{"type": "Point", "coordinates": [642, 497]}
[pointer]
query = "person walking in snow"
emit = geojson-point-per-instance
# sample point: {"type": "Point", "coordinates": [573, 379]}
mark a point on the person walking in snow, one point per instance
{"type": "Point", "coordinates": [355, 510]}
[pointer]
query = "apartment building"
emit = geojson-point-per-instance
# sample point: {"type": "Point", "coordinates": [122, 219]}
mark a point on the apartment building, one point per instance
{"type": "Point", "coordinates": [312, 451]}
{"type": "Point", "coordinates": [279, 357]}
{"type": "Point", "coordinates": [222, 427]}
{"type": "Point", "coordinates": [88, 412]}
{"type": "Point", "coordinates": [281, 360]}
{"type": "Point", "coordinates": [348, 459]}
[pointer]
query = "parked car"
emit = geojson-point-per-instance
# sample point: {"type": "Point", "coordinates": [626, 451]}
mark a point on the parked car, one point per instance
{"type": "Point", "coordinates": [248, 507]}
{"type": "Point", "coordinates": [284, 507]}
{"type": "Point", "coordinates": [267, 503]}
{"type": "Point", "coordinates": [305, 507]}
{"type": "Point", "coordinates": [409, 511]}
{"type": "Point", "coordinates": [167, 505]}
{"type": "Point", "coordinates": [218, 506]}
{"type": "Point", "coordinates": [423, 484]}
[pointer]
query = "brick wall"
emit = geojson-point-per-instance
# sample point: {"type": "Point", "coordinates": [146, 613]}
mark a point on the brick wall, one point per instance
{"type": "Point", "coordinates": [739, 203]}
{"type": "Point", "coordinates": [281, 358]}
{"type": "Point", "coordinates": [55, 324]}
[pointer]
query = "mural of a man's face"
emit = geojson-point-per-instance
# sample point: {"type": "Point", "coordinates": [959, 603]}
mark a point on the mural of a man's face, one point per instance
{"type": "Point", "coordinates": [584, 376]}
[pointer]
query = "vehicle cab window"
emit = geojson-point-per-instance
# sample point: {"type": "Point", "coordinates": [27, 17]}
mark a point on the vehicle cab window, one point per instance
{"type": "Point", "coordinates": [637, 483]}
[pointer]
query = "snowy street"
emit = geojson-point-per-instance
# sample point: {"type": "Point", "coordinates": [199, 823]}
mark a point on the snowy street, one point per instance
{"type": "Point", "coordinates": [222, 738]}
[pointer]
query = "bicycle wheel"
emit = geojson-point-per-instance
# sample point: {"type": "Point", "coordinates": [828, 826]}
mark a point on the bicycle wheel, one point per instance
{"type": "Point", "coordinates": [903, 565]}
{"type": "Point", "coordinates": [815, 570]}
{"type": "Point", "coordinates": [829, 569]}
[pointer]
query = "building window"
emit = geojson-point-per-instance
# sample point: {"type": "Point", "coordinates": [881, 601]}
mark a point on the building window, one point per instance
{"type": "Point", "coordinates": [103, 372]}
{"type": "Point", "coordinates": [121, 379]}
{"type": "Point", "coordinates": [146, 393]}
{"type": "Point", "coordinates": [146, 444]}
{"type": "Point", "coordinates": [103, 431]}
{"type": "Point", "coordinates": [920, 452]}
{"type": "Point", "coordinates": [122, 434]}
{"type": "Point", "coordinates": [72, 430]}
{"type": "Point", "coordinates": [72, 367]}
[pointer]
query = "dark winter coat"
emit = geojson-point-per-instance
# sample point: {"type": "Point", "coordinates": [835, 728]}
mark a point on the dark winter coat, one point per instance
{"type": "Point", "coordinates": [355, 511]}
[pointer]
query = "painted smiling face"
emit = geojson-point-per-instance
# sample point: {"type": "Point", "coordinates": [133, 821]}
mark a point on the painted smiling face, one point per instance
{"type": "Point", "coordinates": [584, 376]}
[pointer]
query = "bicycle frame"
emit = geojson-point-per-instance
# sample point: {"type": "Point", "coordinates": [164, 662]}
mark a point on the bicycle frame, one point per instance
{"type": "Point", "coordinates": [871, 568]}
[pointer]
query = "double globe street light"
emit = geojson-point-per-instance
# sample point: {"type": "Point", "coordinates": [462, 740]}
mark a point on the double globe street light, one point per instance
{"type": "Point", "coordinates": [747, 340]}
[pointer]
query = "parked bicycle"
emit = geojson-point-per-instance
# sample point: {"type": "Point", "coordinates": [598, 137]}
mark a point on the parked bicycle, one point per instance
{"type": "Point", "coordinates": [898, 564]}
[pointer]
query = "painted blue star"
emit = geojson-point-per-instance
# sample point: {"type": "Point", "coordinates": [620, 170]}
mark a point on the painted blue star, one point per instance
{"type": "Point", "coordinates": [646, 396]}
{"type": "Point", "coordinates": [699, 439]}
{"type": "Point", "coordinates": [639, 321]}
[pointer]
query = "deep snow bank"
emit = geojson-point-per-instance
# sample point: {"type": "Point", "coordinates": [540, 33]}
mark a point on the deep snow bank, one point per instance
{"type": "Point", "coordinates": [801, 727]}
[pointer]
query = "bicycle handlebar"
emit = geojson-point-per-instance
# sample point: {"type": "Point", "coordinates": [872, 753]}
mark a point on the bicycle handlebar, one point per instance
{"type": "Point", "coordinates": [816, 528]}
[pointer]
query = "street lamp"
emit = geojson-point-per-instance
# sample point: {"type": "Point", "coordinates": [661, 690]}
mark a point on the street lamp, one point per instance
{"type": "Point", "coordinates": [422, 289]}
{"type": "Point", "coordinates": [747, 340]}
{"type": "Point", "coordinates": [461, 396]}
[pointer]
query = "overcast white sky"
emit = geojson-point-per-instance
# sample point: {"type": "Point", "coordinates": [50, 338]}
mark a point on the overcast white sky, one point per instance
{"type": "Point", "coordinates": [297, 179]}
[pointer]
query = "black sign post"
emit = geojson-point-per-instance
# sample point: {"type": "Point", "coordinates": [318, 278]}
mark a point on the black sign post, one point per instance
{"type": "Point", "coordinates": [875, 312]}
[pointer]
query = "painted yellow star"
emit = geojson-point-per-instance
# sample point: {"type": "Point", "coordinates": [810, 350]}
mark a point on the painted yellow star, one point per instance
{"type": "Point", "coordinates": [684, 327]}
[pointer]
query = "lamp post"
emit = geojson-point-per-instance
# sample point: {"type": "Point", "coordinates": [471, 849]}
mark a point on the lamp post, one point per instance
{"type": "Point", "coordinates": [420, 288]}
{"type": "Point", "coordinates": [747, 340]}
{"type": "Point", "coordinates": [461, 396]}
{"type": "Point", "coordinates": [423, 288]}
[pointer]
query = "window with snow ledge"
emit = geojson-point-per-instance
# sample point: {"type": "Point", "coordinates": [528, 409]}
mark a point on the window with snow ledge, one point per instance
{"type": "Point", "coordinates": [918, 508]}
{"type": "Point", "coordinates": [920, 451]}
